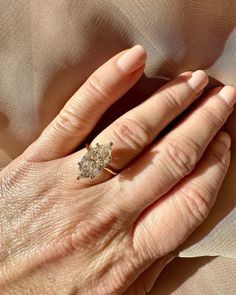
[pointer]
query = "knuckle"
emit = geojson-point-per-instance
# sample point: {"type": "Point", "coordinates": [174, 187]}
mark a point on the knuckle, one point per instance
{"type": "Point", "coordinates": [172, 99]}
{"type": "Point", "coordinates": [84, 235]}
{"type": "Point", "coordinates": [181, 156]}
{"type": "Point", "coordinates": [14, 175]}
{"type": "Point", "coordinates": [216, 117]}
{"type": "Point", "coordinates": [91, 230]}
{"type": "Point", "coordinates": [132, 134]}
{"type": "Point", "coordinates": [69, 120]}
{"type": "Point", "coordinates": [195, 204]}
{"type": "Point", "coordinates": [96, 88]}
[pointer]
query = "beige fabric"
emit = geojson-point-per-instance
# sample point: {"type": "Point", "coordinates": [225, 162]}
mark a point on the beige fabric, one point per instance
{"type": "Point", "coordinates": [197, 276]}
{"type": "Point", "coordinates": [48, 48]}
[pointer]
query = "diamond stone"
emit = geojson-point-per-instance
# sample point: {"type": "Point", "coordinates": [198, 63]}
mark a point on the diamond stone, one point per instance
{"type": "Point", "coordinates": [95, 160]}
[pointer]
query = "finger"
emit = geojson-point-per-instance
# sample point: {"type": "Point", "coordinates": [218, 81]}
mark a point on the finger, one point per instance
{"type": "Point", "coordinates": [170, 220]}
{"type": "Point", "coordinates": [136, 129]}
{"type": "Point", "coordinates": [147, 279]}
{"type": "Point", "coordinates": [81, 113]}
{"type": "Point", "coordinates": [166, 162]}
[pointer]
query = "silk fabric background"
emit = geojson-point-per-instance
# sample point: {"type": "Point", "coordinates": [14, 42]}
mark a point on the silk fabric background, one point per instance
{"type": "Point", "coordinates": [48, 48]}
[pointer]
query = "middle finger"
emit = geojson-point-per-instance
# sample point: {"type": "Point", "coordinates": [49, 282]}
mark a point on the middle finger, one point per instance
{"type": "Point", "coordinates": [169, 160]}
{"type": "Point", "coordinates": [137, 128]}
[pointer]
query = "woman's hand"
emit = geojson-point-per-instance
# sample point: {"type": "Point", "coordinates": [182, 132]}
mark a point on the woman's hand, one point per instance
{"type": "Point", "coordinates": [60, 235]}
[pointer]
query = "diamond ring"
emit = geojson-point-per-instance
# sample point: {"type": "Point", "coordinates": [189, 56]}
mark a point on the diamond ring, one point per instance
{"type": "Point", "coordinates": [95, 160]}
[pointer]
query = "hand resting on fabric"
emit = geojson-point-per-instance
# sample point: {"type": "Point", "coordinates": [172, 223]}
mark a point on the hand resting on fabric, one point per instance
{"type": "Point", "coordinates": [113, 234]}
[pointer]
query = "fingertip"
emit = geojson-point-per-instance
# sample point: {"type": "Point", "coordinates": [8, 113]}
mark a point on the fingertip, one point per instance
{"type": "Point", "coordinates": [132, 59]}
{"type": "Point", "coordinates": [198, 80]}
{"type": "Point", "coordinates": [228, 93]}
{"type": "Point", "coordinates": [224, 138]}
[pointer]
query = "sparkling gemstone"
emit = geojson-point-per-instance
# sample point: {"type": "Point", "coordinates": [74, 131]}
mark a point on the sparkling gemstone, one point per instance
{"type": "Point", "coordinates": [95, 160]}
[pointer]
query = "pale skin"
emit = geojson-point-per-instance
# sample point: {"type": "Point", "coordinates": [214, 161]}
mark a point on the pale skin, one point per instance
{"type": "Point", "coordinates": [113, 234]}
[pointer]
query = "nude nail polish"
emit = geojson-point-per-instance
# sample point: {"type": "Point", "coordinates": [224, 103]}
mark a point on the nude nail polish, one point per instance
{"type": "Point", "coordinates": [228, 93]}
{"type": "Point", "coordinates": [131, 60]}
{"type": "Point", "coordinates": [198, 81]}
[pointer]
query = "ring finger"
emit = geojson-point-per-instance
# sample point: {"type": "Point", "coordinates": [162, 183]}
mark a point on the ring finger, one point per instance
{"type": "Point", "coordinates": [136, 129]}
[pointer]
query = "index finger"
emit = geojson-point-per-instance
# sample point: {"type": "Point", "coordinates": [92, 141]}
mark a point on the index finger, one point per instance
{"type": "Point", "coordinates": [81, 113]}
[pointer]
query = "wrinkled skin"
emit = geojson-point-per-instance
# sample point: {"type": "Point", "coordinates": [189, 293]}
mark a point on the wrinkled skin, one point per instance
{"type": "Point", "coordinates": [112, 235]}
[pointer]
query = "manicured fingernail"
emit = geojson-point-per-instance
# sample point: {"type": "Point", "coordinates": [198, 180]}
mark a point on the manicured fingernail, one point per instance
{"type": "Point", "coordinates": [228, 93]}
{"type": "Point", "coordinates": [198, 80]}
{"type": "Point", "coordinates": [133, 59]}
{"type": "Point", "coordinates": [224, 138]}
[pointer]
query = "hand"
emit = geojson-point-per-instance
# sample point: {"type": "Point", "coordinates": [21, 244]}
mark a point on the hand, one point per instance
{"type": "Point", "coordinates": [60, 235]}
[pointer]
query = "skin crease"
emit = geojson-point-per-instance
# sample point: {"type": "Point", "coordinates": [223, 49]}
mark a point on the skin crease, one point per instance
{"type": "Point", "coordinates": [112, 235]}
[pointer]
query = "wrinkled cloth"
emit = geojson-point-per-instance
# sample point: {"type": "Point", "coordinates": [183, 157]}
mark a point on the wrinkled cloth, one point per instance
{"type": "Point", "coordinates": [49, 48]}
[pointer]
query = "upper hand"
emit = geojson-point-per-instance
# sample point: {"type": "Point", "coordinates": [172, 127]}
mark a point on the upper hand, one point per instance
{"type": "Point", "coordinates": [96, 236]}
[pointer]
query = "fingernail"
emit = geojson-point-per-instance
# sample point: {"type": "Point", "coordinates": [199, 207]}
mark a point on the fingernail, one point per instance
{"type": "Point", "coordinates": [224, 138]}
{"type": "Point", "coordinates": [133, 59]}
{"type": "Point", "coordinates": [198, 80]}
{"type": "Point", "coordinates": [228, 93]}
